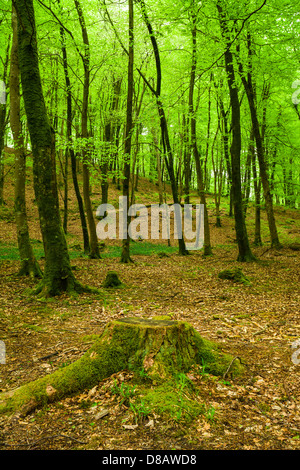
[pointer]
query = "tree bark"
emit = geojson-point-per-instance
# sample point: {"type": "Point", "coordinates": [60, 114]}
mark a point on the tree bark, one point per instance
{"type": "Point", "coordinates": [250, 92]}
{"type": "Point", "coordinates": [125, 255]}
{"type": "Point", "coordinates": [207, 250]}
{"type": "Point", "coordinates": [168, 154]}
{"type": "Point", "coordinates": [158, 165]}
{"type": "Point", "coordinates": [29, 265]}
{"type": "Point", "coordinates": [245, 253]}
{"type": "Point", "coordinates": [58, 276]}
{"type": "Point", "coordinates": [225, 140]}
{"type": "Point", "coordinates": [3, 124]}
{"type": "Point", "coordinates": [94, 247]}
{"type": "Point", "coordinates": [247, 173]}
{"type": "Point", "coordinates": [257, 184]}
{"type": "Point", "coordinates": [70, 151]}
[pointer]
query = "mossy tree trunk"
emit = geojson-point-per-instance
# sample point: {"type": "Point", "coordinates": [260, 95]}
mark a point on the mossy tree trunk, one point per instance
{"type": "Point", "coordinates": [58, 275]}
{"type": "Point", "coordinates": [29, 265]}
{"type": "Point", "coordinates": [245, 253]}
{"type": "Point", "coordinates": [158, 348]}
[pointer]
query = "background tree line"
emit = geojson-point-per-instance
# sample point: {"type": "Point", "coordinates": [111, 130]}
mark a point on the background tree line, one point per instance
{"type": "Point", "coordinates": [197, 95]}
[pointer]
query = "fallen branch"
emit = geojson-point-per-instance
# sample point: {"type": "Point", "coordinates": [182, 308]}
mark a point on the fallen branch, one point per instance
{"type": "Point", "coordinates": [230, 365]}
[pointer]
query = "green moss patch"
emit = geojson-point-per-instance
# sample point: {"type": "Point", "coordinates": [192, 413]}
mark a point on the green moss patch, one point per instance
{"type": "Point", "coordinates": [235, 275]}
{"type": "Point", "coordinates": [160, 349]}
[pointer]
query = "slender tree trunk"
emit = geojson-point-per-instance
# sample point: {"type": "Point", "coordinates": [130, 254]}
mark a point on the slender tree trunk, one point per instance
{"type": "Point", "coordinates": [158, 164]}
{"type": "Point", "coordinates": [108, 157]}
{"type": "Point", "coordinates": [94, 247]}
{"type": "Point", "coordinates": [125, 255]}
{"type": "Point", "coordinates": [66, 191]}
{"type": "Point", "coordinates": [207, 250]}
{"type": "Point", "coordinates": [225, 140]}
{"type": "Point", "coordinates": [218, 180]}
{"type": "Point", "coordinates": [134, 171]}
{"type": "Point", "coordinates": [257, 184]}
{"type": "Point", "coordinates": [247, 173]}
{"type": "Point", "coordinates": [105, 158]}
{"type": "Point", "coordinates": [135, 162]}
{"type": "Point", "coordinates": [249, 89]}
{"type": "Point", "coordinates": [3, 123]}
{"type": "Point", "coordinates": [186, 158]}
{"type": "Point", "coordinates": [245, 253]}
{"type": "Point", "coordinates": [206, 175]}
{"type": "Point", "coordinates": [29, 265]}
{"type": "Point", "coordinates": [115, 131]}
{"type": "Point", "coordinates": [58, 275]}
{"type": "Point", "coordinates": [70, 151]}
{"type": "Point", "coordinates": [168, 154]}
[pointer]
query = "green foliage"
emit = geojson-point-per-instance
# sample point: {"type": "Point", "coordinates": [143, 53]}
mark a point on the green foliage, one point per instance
{"type": "Point", "coordinates": [124, 391]}
{"type": "Point", "coordinates": [274, 36]}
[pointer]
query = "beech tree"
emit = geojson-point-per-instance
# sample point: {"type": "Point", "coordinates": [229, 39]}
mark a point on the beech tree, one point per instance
{"type": "Point", "coordinates": [94, 248]}
{"type": "Point", "coordinates": [212, 106]}
{"type": "Point", "coordinates": [58, 275]}
{"type": "Point", "coordinates": [125, 255]}
{"type": "Point", "coordinates": [29, 265]}
{"type": "Point", "coordinates": [245, 253]}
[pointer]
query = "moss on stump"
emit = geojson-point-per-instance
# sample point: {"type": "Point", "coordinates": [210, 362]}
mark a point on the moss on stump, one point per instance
{"type": "Point", "coordinates": [235, 275]}
{"type": "Point", "coordinates": [159, 348]}
{"type": "Point", "coordinates": [112, 280]}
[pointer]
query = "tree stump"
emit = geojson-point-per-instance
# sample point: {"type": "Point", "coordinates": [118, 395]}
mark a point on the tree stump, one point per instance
{"type": "Point", "coordinates": [112, 280]}
{"type": "Point", "coordinates": [235, 275]}
{"type": "Point", "coordinates": [159, 348]}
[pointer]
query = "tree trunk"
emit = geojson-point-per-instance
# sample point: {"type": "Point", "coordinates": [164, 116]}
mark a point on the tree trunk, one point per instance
{"type": "Point", "coordinates": [29, 265]}
{"type": "Point", "coordinates": [161, 349]}
{"type": "Point", "coordinates": [249, 89]}
{"type": "Point", "coordinates": [94, 247]}
{"type": "Point", "coordinates": [186, 158]}
{"type": "Point", "coordinates": [225, 140]}
{"type": "Point", "coordinates": [158, 165]}
{"type": "Point", "coordinates": [168, 154]}
{"type": "Point", "coordinates": [125, 255]}
{"type": "Point", "coordinates": [105, 157]}
{"type": "Point", "coordinates": [206, 173]}
{"type": "Point", "coordinates": [58, 276]}
{"type": "Point", "coordinates": [218, 181]}
{"type": "Point", "coordinates": [245, 253]}
{"type": "Point", "coordinates": [257, 184]}
{"type": "Point", "coordinates": [207, 250]}
{"type": "Point", "coordinates": [247, 173]}
{"type": "Point", "coordinates": [70, 150]}
{"type": "Point", "coordinates": [3, 124]}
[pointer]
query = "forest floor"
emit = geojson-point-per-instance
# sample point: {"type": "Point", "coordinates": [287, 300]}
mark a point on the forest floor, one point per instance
{"type": "Point", "coordinates": [257, 323]}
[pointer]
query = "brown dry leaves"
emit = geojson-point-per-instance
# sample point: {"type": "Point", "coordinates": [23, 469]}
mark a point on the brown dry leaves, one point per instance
{"type": "Point", "coordinates": [257, 323]}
